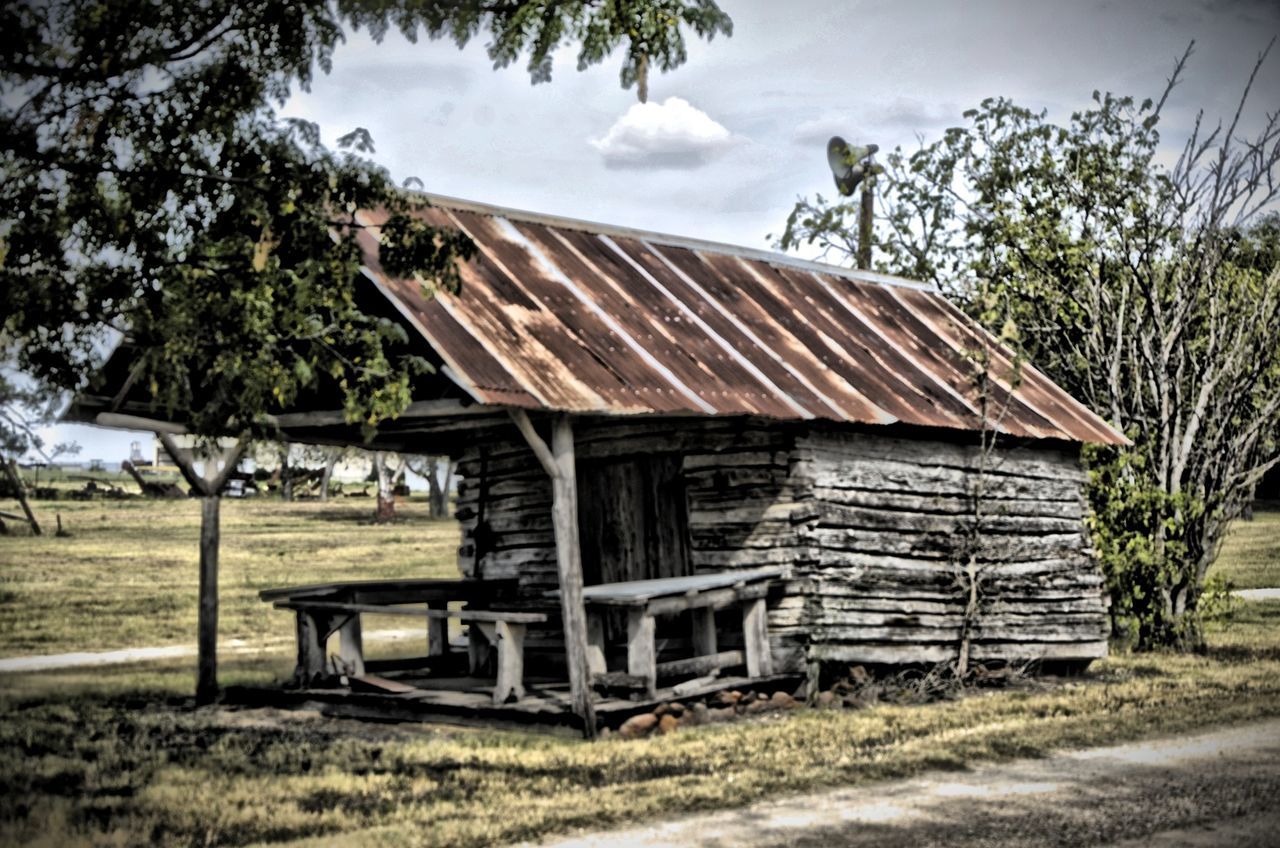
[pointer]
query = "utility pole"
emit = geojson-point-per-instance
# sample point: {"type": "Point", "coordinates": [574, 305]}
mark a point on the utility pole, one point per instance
{"type": "Point", "coordinates": [852, 166]}
{"type": "Point", "coordinates": [865, 215]}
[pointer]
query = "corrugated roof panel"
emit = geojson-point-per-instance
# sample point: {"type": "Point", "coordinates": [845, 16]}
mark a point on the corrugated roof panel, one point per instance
{"type": "Point", "coordinates": [579, 317]}
{"type": "Point", "coordinates": [738, 343]}
{"type": "Point", "coordinates": [820, 369]}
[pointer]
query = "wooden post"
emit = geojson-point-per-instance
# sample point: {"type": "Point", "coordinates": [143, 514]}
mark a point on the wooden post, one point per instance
{"type": "Point", "coordinates": [351, 645]}
{"type": "Point", "coordinates": [642, 656]}
{"type": "Point", "coordinates": [11, 471]}
{"type": "Point", "coordinates": [209, 485]}
{"type": "Point", "coordinates": [865, 217]}
{"type": "Point", "coordinates": [597, 663]}
{"type": "Point", "coordinates": [313, 628]}
{"type": "Point", "coordinates": [437, 634]}
{"type": "Point", "coordinates": [564, 514]}
{"type": "Point", "coordinates": [207, 634]}
{"type": "Point", "coordinates": [755, 638]}
{"type": "Point", "coordinates": [558, 461]}
{"type": "Point", "coordinates": [510, 682]}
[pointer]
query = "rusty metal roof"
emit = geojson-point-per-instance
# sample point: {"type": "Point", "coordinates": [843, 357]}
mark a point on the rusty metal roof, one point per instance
{"type": "Point", "coordinates": [571, 316]}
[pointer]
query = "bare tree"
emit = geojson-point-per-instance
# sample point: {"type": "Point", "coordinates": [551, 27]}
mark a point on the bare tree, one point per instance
{"type": "Point", "coordinates": [429, 467]}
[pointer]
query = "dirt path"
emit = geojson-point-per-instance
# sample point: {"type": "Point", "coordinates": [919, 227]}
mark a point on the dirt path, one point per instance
{"type": "Point", "coordinates": [45, 662]}
{"type": "Point", "coordinates": [1216, 788]}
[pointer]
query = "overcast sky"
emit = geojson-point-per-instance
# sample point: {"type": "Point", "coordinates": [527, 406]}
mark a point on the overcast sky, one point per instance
{"type": "Point", "coordinates": [729, 140]}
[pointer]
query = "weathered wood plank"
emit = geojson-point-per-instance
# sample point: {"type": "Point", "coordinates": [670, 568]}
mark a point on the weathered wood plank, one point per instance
{"type": "Point", "coordinates": [351, 645]}
{"type": "Point", "coordinates": [755, 634]}
{"type": "Point", "coordinates": [416, 612]}
{"type": "Point", "coordinates": [641, 654]}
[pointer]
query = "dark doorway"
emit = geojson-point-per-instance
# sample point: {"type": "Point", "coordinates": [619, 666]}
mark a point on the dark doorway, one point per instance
{"type": "Point", "coordinates": [633, 519]}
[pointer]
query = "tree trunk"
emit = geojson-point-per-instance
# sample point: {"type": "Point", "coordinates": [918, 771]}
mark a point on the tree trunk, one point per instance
{"type": "Point", "coordinates": [11, 471]}
{"type": "Point", "coordinates": [386, 506]}
{"type": "Point", "coordinates": [331, 459]}
{"type": "Point", "coordinates": [437, 492]}
{"type": "Point", "coordinates": [286, 481]}
{"type": "Point", "coordinates": [207, 639]}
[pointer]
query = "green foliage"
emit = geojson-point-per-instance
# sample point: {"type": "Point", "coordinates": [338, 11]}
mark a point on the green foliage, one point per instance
{"type": "Point", "coordinates": [1149, 292]}
{"type": "Point", "coordinates": [151, 192]}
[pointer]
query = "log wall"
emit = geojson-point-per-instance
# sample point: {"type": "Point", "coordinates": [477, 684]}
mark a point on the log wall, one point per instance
{"type": "Point", "coordinates": [894, 520]}
{"type": "Point", "coordinates": [872, 528]}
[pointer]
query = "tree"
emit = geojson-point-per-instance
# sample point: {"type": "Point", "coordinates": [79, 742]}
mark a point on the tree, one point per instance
{"type": "Point", "coordinates": [1148, 292]}
{"type": "Point", "coordinates": [151, 193]}
{"type": "Point", "coordinates": [429, 468]}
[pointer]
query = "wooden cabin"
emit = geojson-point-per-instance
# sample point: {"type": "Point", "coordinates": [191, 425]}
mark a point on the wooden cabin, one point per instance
{"type": "Point", "coordinates": [628, 406]}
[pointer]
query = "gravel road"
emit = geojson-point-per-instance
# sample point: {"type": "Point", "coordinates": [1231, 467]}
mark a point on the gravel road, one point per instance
{"type": "Point", "coordinates": [1214, 788]}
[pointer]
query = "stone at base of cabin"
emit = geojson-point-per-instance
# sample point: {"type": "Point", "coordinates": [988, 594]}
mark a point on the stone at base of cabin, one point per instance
{"type": "Point", "coordinates": [826, 700]}
{"type": "Point", "coordinates": [728, 698]}
{"type": "Point", "coordinates": [784, 700]}
{"type": "Point", "coordinates": [638, 725]}
{"type": "Point", "coordinates": [667, 724]}
{"type": "Point", "coordinates": [722, 714]}
{"type": "Point", "coordinates": [674, 708]}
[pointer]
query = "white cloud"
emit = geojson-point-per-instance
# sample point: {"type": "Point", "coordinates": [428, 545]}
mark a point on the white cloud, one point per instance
{"type": "Point", "coordinates": [818, 130]}
{"type": "Point", "coordinates": [671, 134]}
{"type": "Point", "coordinates": [902, 114]}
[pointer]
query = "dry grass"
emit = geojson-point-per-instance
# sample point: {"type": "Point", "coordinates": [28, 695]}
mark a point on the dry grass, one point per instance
{"type": "Point", "coordinates": [127, 576]}
{"type": "Point", "coordinates": [1250, 557]}
{"type": "Point", "coordinates": [123, 761]}
{"type": "Point", "coordinates": [116, 756]}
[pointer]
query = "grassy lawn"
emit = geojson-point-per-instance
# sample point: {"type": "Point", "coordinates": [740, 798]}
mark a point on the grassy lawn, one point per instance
{"type": "Point", "coordinates": [127, 576]}
{"type": "Point", "coordinates": [116, 755]}
{"type": "Point", "coordinates": [1250, 556]}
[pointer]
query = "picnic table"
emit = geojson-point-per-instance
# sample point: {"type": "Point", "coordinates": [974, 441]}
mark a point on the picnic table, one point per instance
{"type": "Point", "coordinates": [701, 594]}
{"type": "Point", "coordinates": [325, 608]}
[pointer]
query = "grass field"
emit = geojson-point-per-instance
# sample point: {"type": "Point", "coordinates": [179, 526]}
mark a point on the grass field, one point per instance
{"type": "Point", "coordinates": [127, 576]}
{"type": "Point", "coordinates": [116, 756]}
{"type": "Point", "coordinates": [1250, 556]}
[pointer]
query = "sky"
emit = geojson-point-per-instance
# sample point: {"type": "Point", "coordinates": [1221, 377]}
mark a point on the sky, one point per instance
{"type": "Point", "coordinates": [731, 139]}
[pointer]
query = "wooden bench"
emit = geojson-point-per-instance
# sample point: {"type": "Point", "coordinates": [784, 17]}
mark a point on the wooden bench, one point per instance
{"type": "Point", "coordinates": [701, 594]}
{"type": "Point", "coordinates": [336, 607]}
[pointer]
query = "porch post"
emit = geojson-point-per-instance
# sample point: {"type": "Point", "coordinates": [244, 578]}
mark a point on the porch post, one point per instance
{"type": "Point", "coordinates": [558, 462]}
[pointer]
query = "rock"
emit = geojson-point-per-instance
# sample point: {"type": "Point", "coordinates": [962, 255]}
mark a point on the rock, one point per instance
{"type": "Point", "coordinates": [783, 700]}
{"type": "Point", "coordinates": [667, 724]}
{"type": "Point", "coordinates": [722, 714]}
{"type": "Point", "coordinates": [728, 698]}
{"type": "Point", "coordinates": [698, 715]}
{"type": "Point", "coordinates": [662, 709]}
{"type": "Point", "coordinates": [638, 725]}
{"type": "Point", "coordinates": [825, 700]}
{"type": "Point", "coordinates": [858, 674]}
{"type": "Point", "coordinates": [676, 709]}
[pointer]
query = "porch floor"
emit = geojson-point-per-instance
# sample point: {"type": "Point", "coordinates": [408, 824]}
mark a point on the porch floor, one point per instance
{"type": "Point", "coordinates": [469, 701]}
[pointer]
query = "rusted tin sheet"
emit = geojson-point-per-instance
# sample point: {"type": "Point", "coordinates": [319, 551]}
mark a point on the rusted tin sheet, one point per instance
{"type": "Point", "coordinates": [578, 317]}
